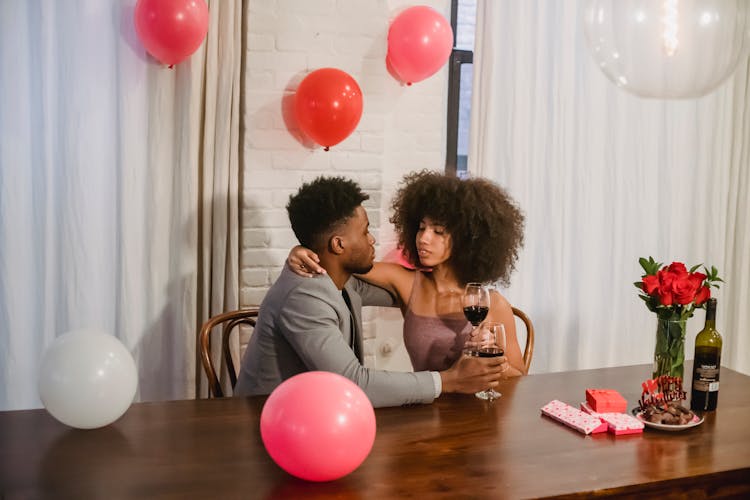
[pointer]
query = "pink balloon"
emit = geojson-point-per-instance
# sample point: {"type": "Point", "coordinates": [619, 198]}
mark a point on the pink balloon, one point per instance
{"type": "Point", "coordinates": [328, 106]}
{"type": "Point", "coordinates": [318, 426]}
{"type": "Point", "coordinates": [171, 30]}
{"type": "Point", "coordinates": [420, 41]}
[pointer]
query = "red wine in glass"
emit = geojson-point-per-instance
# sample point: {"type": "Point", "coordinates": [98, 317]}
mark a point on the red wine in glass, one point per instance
{"type": "Point", "coordinates": [491, 345]}
{"type": "Point", "coordinates": [476, 303]}
{"type": "Point", "coordinates": [476, 314]}
{"type": "Point", "coordinates": [476, 306]}
{"type": "Point", "coordinates": [490, 352]}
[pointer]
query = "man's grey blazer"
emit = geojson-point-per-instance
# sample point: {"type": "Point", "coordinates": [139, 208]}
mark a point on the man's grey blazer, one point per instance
{"type": "Point", "coordinates": [304, 325]}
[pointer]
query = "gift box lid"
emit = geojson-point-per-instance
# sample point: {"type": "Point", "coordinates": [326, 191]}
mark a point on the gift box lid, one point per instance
{"type": "Point", "coordinates": [606, 401]}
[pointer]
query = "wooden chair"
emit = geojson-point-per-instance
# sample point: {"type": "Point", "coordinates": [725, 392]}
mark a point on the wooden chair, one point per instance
{"type": "Point", "coordinates": [229, 321]}
{"type": "Point", "coordinates": [528, 351]}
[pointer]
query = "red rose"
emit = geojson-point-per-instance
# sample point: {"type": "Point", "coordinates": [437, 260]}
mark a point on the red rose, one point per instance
{"type": "Point", "coordinates": [677, 268]}
{"type": "Point", "coordinates": [650, 283]}
{"type": "Point", "coordinates": [684, 289]}
{"type": "Point", "coordinates": [697, 278]}
{"type": "Point", "coordinates": [704, 293]}
{"type": "Point", "coordinates": [665, 296]}
{"type": "Point", "coordinates": [665, 286]}
{"type": "Point", "coordinates": [665, 278]}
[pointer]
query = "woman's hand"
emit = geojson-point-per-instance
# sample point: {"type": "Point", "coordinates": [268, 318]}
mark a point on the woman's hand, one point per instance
{"type": "Point", "coordinates": [470, 374]}
{"type": "Point", "coordinates": [507, 370]}
{"type": "Point", "coordinates": [304, 262]}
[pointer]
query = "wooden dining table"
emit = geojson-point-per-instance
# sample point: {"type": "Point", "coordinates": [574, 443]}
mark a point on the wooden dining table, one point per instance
{"type": "Point", "coordinates": [457, 447]}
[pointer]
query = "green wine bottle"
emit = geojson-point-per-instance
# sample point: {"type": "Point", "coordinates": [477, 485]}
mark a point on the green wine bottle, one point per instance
{"type": "Point", "coordinates": [704, 394]}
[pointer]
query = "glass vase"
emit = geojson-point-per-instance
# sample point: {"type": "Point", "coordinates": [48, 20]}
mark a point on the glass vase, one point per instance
{"type": "Point", "coordinates": [669, 353]}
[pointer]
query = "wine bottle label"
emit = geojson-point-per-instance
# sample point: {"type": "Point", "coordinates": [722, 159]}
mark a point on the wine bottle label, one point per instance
{"type": "Point", "coordinates": [705, 385]}
{"type": "Point", "coordinates": [707, 372]}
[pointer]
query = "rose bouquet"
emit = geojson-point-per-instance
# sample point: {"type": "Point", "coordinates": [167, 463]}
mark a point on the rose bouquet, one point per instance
{"type": "Point", "coordinates": [673, 292]}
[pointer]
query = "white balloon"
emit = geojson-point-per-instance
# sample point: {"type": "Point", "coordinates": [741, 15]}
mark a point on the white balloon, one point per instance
{"type": "Point", "coordinates": [87, 379]}
{"type": "Point", "coordinates": [667, 48]}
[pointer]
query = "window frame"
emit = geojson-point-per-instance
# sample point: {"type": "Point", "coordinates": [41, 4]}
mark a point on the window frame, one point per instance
{"type": "Point", "coordinates": [458, 57]}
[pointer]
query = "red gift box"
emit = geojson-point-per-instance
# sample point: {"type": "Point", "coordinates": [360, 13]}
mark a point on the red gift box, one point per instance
{"type": "Point", "coordinates": [606, 401]}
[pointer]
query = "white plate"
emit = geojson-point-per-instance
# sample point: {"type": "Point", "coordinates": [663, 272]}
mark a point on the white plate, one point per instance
{"type": "Point", "coordinates": [672, 428]}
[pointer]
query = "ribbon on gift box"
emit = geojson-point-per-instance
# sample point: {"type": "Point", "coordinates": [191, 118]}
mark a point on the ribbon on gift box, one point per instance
{"type": "Point", "coordinates": [573, 417]}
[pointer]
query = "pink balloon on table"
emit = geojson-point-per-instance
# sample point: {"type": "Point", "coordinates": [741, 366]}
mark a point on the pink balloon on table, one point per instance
{"type": "Point", "coordinates": [318, 426]}
{"type": "Point", "coordinates": [171, 30]}
{"type": "Point", "coordinates": [420, 41]}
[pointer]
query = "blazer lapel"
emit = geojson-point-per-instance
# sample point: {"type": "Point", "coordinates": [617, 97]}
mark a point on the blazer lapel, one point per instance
{"type": "Point", "coordinates": [356, 310]}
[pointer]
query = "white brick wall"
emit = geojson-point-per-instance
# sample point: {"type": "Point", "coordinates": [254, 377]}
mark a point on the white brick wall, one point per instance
{"type": "Point", "coordinates": [402, 129]}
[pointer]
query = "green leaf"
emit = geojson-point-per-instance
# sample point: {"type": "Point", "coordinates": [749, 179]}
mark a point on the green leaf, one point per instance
{"type": "Point", "coordinates": [692, 269]}
{"type": "Point", "coordinates": [638, 285]}
{"type": "Point", "coordinates": [650, 266]}
{"type": "Point", "coordinates": [645, 265]}
{"type": "Point", "coordinates": [655, 266]}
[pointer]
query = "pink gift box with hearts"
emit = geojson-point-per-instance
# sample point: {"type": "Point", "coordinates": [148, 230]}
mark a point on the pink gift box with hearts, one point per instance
{"type": "Point", "coordinates": [573, 417]}
{"type": "Point", "coordinates": [617, 423]}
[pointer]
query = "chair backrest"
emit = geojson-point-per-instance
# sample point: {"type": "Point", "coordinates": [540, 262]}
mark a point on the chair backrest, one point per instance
{"type": "Point", "coordinates": [528, 351]}
{"type": "Point", "coordinates": [228, 321]}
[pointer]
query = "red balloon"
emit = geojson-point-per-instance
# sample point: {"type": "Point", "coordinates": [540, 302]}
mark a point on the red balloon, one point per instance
{"type": "Point", "coordinates": [328, 106]}
{"type": "Point", "coordinates": [318, 426]}
{"type": "Point", "coordinates": [420, 41]}
{"type": "Point", "coordinates": [171, 30]}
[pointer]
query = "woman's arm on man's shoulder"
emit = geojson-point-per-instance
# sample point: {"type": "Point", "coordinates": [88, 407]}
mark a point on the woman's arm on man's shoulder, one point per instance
{"type": "Point", "coordinates": [393, 277]}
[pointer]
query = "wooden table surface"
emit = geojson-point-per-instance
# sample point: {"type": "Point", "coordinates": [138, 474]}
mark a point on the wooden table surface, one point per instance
{"type": "Point", "coordinates": [458, 447]}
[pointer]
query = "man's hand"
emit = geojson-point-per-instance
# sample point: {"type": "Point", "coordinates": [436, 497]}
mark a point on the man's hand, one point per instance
{"type": "Point", "coordinates": [304, 262]}
{"type": "Point", "coordinates": [470, 374]}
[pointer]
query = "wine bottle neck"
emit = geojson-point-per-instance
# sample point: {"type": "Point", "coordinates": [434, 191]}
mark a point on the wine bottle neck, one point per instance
{"type": "Point", "coordinates": [711, 312]}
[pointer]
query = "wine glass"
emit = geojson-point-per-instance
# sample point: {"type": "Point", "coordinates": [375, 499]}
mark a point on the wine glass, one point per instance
{"type": "Point", "coordinates": [476, 304]}
{"type": "Point", "coordinates": [490, 342]}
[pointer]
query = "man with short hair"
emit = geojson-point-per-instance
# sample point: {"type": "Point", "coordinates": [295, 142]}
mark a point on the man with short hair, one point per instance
{"type": "Point", "coordinates": [315, 323]}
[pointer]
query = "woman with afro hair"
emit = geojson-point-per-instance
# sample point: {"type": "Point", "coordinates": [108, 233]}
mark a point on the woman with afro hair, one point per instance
{"type": "Point", "coordinates": [451, 232]}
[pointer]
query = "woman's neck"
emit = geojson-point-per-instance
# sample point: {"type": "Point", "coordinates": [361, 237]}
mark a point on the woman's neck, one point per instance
{"type": "Point", "coordinates": [444, 279]}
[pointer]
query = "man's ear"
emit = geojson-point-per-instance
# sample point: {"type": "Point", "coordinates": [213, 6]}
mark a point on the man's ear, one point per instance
{"type": "Point", "coordinates": [336, 245]}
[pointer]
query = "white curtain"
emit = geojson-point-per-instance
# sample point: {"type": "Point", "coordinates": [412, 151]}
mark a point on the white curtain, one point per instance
{"type": "Point", "coordinates": [604, 178]}
{"type": "Point", "coordinates": [108, 161]}
{"type": "Point", "coordinates": [219, 209]}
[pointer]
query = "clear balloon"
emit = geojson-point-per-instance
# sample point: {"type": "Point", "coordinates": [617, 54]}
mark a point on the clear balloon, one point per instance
{"type": "Point", "coordinates": [318, 426]}
{"type": "Point", "coordinates": [420, 41]}
{"type": "Point", "coordinates": [667, 48]}
{"type": "Point", "coordinates": [171, 30]}
{"type": "Point", "coordinates": [328, 106]}
{"type": "Point", "coordinates": [87, 379]}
